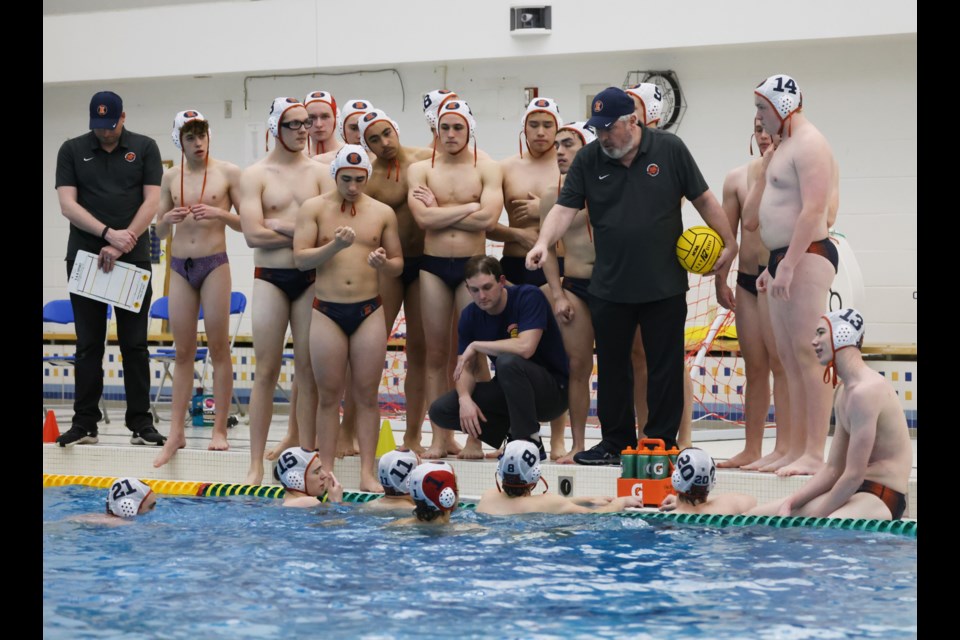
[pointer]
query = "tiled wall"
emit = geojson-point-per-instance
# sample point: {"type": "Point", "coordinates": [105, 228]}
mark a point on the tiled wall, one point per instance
{"type": "Point", "coordinates": [717, 385]}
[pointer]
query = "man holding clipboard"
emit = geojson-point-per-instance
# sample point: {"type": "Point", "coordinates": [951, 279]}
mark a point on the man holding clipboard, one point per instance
{"type": "Point", "coordinates": [108, 184]}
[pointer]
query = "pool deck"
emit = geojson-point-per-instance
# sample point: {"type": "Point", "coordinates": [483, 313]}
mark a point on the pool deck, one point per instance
{"type": "Point", "coordinates": [115, 456]}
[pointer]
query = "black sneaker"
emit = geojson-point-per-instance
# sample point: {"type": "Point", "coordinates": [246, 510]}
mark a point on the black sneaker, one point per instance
{"type": "Point", "coordinates": [148, 435]}
{"type": "Point", "coordinates": [77, 435]}
{"type": "Point", "coordinates": [597, 455]}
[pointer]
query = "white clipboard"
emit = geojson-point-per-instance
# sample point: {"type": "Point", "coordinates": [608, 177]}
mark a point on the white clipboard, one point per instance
{"type": "Point", "coordinates": [124, 287]}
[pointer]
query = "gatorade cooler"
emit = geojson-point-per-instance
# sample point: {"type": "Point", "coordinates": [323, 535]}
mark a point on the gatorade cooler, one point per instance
{"type": "Point", "coordinates": [651, 467]}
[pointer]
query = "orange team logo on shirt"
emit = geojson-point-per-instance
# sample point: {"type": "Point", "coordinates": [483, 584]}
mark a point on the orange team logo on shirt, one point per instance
{"type": "Point", "coordinates": [130, 157]}
{"type": "Point", "coordinates": [513, 330]}
{"type": "Point", "coordinates": [653, 170]}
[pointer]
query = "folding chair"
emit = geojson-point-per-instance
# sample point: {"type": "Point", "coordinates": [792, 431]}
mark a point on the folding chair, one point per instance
{"type": "Point", "coordinates": [61, 312]}
{"type": "Point", "coordinates": [160, 310]}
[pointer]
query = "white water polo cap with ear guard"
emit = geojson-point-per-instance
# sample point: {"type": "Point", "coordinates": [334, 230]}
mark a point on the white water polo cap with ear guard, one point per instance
{"type": "Point", "coordinates": [125, 497]}
{"type": "Point", "coordinates": [846, 330]}
{"type": "Point", "coordinates": [292, 468]}
{"type": "Point", "coordinates": [357, 105]}
{"type": "Point", "coordinates": [695, 472]}
{"type": "Point", "coordinates": [180, 120]}
{"type": "Point", "coordinates": [783, 94]}
{"type": "Point", "coordinates": [432, 102]}
{"type": "Point", "coordinates": [279, 107]}
{"type": "Point", "coordinates": [651, 99]}
{"type": "Point", "coordinates": [434, 485]}
{"type": "Point", "coordinates": [585, 133]}
{"type": "Point", "coordinates": [520, 464]}
{"type": "Point", "coordinates": [369, 119]}
{"type": "Point", "coordinates": [394, 470]}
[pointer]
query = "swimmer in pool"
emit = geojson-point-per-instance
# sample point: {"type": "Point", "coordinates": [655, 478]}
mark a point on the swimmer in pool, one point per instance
{"type": "Point", "coordinates": [127, 498]}
{"type": "Point", "coordinates": [518, 473]}
{"type": "Point", "coordinates": [433, 487]}
{"type": "Point", "coordinates": [305, 481]}
{"type": "Point", "coordinates": [395, 469]}
{"type": "Point", "coordinates": [693, 479]}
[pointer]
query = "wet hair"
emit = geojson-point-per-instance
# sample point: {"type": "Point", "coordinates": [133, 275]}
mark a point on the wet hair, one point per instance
{"type": "Point", "coordinates": [196, 127]}
{"type": "Point", "coordinates": [424, 513]}
{"type": "Point", "coordinates": [514, 487]}
{"type": "Point", "coordinates": [696, 495]}
{"type": "Point", "coordinates": [482, 264]}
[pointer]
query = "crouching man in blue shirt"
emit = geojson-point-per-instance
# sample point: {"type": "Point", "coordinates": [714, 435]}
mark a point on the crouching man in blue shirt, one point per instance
{"type": "Point", "coordinates": [515, 328]}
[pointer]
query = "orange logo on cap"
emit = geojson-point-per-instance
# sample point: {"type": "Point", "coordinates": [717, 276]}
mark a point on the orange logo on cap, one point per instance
{"type": "Point", "coordinates": [598, 106]}
{"type": "Point", "coordinates": [452, 106]}
{"type": "Point", "coordinates": [370, 116]}
{"type": "Point", "coordinates": [190, 114]}
{"type": "Point", "coordinates": [541, 103]}
{"type": "Point", "coordinates": [102, 110]}
{"type": "Point", "coordinates": [318, 94]}
{"type": "Point", "coordinates": [130, 157]}
{"type": "Point", "coordinates": [653, 170]}
{"type": "Point", "coordinates": [359, 105]}
{"type": "Point", "coordinates": [354, 158]}
{"type": "Point", "coordinates": [292, 100]}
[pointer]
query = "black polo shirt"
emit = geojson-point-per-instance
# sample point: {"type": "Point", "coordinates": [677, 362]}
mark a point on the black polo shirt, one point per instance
{"type": "Point", "coordinates": [635, 214]}
{"type": "Point", "coordinates": [109, 185]}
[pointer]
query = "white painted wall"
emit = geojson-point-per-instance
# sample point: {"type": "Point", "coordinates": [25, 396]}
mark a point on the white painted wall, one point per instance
{"type": "Point", "coordinates": [253, 37]}
{"type": "Point", "coordinates": [860, 91]}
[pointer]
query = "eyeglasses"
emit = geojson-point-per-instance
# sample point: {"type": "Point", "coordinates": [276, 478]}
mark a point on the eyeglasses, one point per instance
{"type": "Point", "coordinates": [294, 125]}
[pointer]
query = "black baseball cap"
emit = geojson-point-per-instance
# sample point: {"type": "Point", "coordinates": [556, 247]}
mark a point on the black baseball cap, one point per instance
{"type": "Point", "coordinates": [106, 107]}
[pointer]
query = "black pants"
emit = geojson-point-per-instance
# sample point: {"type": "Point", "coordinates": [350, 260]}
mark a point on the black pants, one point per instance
{"type": "Point", "coordinates": [521, 396]}
{"type": "Point", "coordinates": [90, 319]}
{"type": "Point", "coordinates": [661, 326]}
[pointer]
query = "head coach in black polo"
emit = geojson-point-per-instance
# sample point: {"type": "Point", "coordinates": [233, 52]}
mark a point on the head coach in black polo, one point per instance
{"type": "Point", "coordinates": [108, 184]}
{"type": "Point", "coordinates": [632, 180]}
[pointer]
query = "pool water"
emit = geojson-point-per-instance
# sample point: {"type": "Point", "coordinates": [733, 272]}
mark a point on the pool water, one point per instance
{"type": "Point", "coordinates": [245, 568]}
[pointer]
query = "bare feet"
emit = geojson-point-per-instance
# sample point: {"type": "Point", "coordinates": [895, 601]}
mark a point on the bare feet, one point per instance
{"type": "Point", "coordinates": [739, 460]}
{"type": "Point", "coordinates": [558, 451]}
{"type": "Point", "coordinates": [472, 451]}
{"type": "Point", "coordinates": [218, 442]}
{"type": "Point", "coordinates": [779, 463]}
{"type": "Point", "coordinates": [494, 454]}
{"type": "Point", "coordinates": [346, 445]}
{"type": "Point", "coordinates": [435, 452]}
{"type": "Point", "coordinates": [281, 446]}
{"type": "Point", "coordinates": [370, 483]}
{"type": "Point", "coordinates": [412, 442]}
{"type": "Point", "coordinates": [805, 465]}
{"type": "Point", "coordinates": [254, 476]}
{"type": "Point", "coordinates": [172, 445]}
{"type": "Point", "coordinates": [757, 465]}
{"type": "Point", "coordinates": [568, 459]}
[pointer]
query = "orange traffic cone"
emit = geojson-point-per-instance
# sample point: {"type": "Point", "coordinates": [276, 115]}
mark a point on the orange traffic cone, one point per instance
{"type": "Point", "coordinates": [50, 429]}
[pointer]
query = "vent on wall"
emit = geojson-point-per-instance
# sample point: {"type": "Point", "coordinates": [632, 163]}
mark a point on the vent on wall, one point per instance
{"type": "Point", "coordinates": [530, 20]}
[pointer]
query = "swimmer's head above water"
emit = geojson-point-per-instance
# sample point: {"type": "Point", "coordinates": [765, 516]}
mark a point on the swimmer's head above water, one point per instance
{"type": "Point", "coordinates": [395, 469]}
{"type": "Point", "coordinates": [694, 475]}
{"type": "Point", "coordinates": [129, 497]}
{"type": "Point", "coordinates": [518, 470]}
{"type": "Point", "coordinates": [433, 487]}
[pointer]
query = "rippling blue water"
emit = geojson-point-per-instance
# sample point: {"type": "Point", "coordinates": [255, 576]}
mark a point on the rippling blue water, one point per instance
{"type": "Point", "coordinates": [245, 568]}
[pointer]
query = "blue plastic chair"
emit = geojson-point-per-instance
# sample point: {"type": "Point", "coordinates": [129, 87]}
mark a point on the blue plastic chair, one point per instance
{"type": "Point", "coordinates": [160, 310]}
{"type": "Point", "coordinates": [61, 312]}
